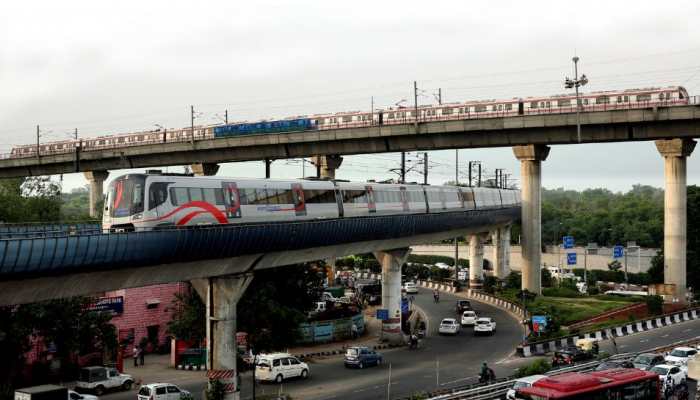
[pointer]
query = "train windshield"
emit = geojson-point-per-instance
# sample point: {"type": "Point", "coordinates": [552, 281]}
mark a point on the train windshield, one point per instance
{"type": "Point", "coordinates": [126, 195]}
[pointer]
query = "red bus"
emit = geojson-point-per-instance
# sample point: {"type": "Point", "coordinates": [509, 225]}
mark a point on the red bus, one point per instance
{"type": "Point", "coordinates": [612, 384]}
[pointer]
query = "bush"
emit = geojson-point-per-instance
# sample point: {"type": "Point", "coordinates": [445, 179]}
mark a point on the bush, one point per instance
{"type": "Point", "coordinates": [560, 292]}
{"type": "Point", "coordinates": [514, 280]}
{"type": "Point", "coordinates": [655, 305]}
{"type": "Point", "coordinates": [537, 367]}
{"type": "Point", "coordinates": [216, 391]}
{"type": "Point", "coordinates": [545, 277]}
{"type": "Point", "coordinates": [490, 284]}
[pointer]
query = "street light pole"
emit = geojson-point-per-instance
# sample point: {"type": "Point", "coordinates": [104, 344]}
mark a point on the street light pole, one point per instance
{"type": "Point", "coordinates": [576, 83]}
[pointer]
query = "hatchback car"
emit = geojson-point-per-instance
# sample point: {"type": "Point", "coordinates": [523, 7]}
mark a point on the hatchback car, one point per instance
{"type": "Point", "coordinates": [279, 366]}
{"type": "Point", "coordinates": [410, 288]}
{"type": "Point", "coordinates": [162, 391]}
{"type": "Point", "coordinates": [468, 318]}
{"type": "Point", "coordinates": [680, 355]}
{"type": "Point", "coordinates": [645, 361]}
{"type": "Point", "coordinates": [361, 356]}
{"type": "Point", "coordinates": [670, 375]}
{"type": "Point", "coordinates": [485, 325]}
{"type": "Point", "coordinates": [448, 326]}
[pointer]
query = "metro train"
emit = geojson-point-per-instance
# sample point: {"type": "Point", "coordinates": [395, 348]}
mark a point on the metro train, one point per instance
{"type": "Point", "coordinates": [155, 200]}
{"type": "Point", "coordinates": [593, 101]}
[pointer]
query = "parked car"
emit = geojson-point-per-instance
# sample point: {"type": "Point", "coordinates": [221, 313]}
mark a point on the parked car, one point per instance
{"type": "Point", "coordinates": [485, 325]}
{"type": "Point", "coordinates": [468, 318]}
{"type": "Point", "coordinates": [279, 366]}
{"type": "Point", "coordinates": [410, 288]}
{"type": "Point", "coordinates": [570, 355]}
{"type": "Point", "coordinates": [448, 326]}
{"type": "Point", "coordinates": [523, 382]}
{"type": "Point", "coordinates": [40, 392]}
{"type": "Point", "coordinates": [101, 379]}
{"type": "Point", "coordinates": [361, 356]}
{"type": "Point", "coordinates": [73, 395]}
{"type": "Point", "coordinates": [462, 306]}
{"type": "Point", "coordinates": [680, 355]}
{"type": "Point", "coordinates": [670, 375]}
{"type": "Point", "coordinates": [162, 391]}
{"type": "Point", "coordinates": [613, 364]}
{"type": "Point", "coordinates": [645, 361]}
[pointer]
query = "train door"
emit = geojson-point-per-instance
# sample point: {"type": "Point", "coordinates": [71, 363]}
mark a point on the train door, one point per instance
{"type": "Point", "coordinates": [299, 201]}
{"type": "Point", "coordinates": [371, 203]}
{"type": "Point", "coordinates": [381, 118]}
{"type": "Point", "coordinates": [404, 197]}
{"type": "Point", "coordinates": [232, 199]}
{"type": "Point", "coordinates": [521, 108]}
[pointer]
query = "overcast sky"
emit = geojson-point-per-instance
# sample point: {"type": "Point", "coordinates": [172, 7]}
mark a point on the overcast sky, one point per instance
{"type": "Point", "coordinates": [110, 67]}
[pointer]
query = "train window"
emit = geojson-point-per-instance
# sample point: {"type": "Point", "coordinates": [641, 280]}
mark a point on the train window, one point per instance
{"type": "Point", "coordinates": [100, 142]}
{"type": "Point", "coordinates": [157, 194]}
{"type": "Point", "coordinates": [564, 103]}
{"type": "Point", "coordinates": [320, 121]}
{"type": "Point", "coordinates": [286, 197]}
{"type": "Point", "coordinates": [347, 118]}
{"type": "Point", "coordinates": [196, 194]}
{"type": "Point", "coordinates": [661, 96]}
{"type": "Point", "coordinates": [272, 196]}
{"type": "Point", "coordinates": [643, 97]}
{"type": "Point", "coordinates": [354, 196]}
{"type": "Point", "coordinates": [602, 100]}
{"type": "Point", "coordinates": [120, 140]}
{"type": "Point", "coordinates": [509, 106]}
{"type": "Point", "coordinates": [626, 98]}
{"type": "Point", "coordinates": [209, 195]}
{"type": "Point", "coordinates": [585, 102]}
{"type": "Point", "coordinates": [248, 196]}
{"type": "Point", "coordinates": [533, 104]}
{"type": "Point", "coordinates": [179, 196]}
{"type": "Point", "coordinates": [680, 95]}
{"type": "Point", "coordinates": [446, 111]}
{"type": "Point", "coordinates": [479, 108]}
{"type": "Point", "coordinates": [619, 99]}
{"type": "Point", "coordinates": [390, 116]}
{"type": "Point", "coordinates": [261, 195]}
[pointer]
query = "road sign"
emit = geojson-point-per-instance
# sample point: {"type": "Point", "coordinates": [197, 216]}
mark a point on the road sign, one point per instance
{"type": "Point", "coordinates": [404, 306]}
{"type": "Point", "coordinates": [539, 323]}
{"type": "Point", "coordinates": [570, 258]}
{"type": "Point", "coordinates": [568, 242]}
{"type": "Point", "coordinates": [618, 252]}
{"type": "Point", "coordinates": [382, 314]}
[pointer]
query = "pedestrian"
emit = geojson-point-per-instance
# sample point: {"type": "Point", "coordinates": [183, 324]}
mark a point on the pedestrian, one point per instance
{"type": "Point", "coordinates": [354, 330]}
{"type": "Point", "coordinates": [614, 343]}
{"type": "Point", "coordinates": [142, 355]}
{"type": "Point", "coordinates": [135, 353]}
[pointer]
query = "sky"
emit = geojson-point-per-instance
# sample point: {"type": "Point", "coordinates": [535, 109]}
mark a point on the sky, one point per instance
{"type": "Point", "coordinates": [114, 67]}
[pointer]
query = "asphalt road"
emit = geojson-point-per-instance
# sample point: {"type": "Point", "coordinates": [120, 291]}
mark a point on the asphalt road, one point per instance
{"type": "Point", "coordinates": [655, 338]}
{"type": "Point", "coordinates": [441, 361]}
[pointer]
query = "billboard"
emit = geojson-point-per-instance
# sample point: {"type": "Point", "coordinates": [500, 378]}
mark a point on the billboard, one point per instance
{"type": "Point", "coordinates": [539, 323]}
{"type": "Point", "coordinates": [115, 305]}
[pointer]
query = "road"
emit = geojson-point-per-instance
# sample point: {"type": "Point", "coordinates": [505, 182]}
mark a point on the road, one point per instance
{"type": "Point", "coordinates": [441, 361]}
{"type": "Point", "coordinates": [655, 338]}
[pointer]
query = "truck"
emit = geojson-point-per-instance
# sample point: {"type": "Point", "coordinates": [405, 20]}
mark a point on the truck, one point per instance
{"type": "Point", "coordinates": [101, 379]}
{"type": "Point", "coordinates": [43, 392]}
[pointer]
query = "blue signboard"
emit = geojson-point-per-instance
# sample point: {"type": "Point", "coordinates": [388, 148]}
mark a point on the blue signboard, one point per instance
{"type": "Point", "coordinates": [570, 258]}
{"type": "Point", "coordinates": [115, 305]}
{"type": "Point", "coordinates": [539, 323]}
{"type": "Point", "coordinates": [568, 242]}
{"type": "Point", "coordinates": [618, 252]}
{"type": "Point", "coordinates": [382, 314]}
{"type": "Point", "coordinates": [404, 306]}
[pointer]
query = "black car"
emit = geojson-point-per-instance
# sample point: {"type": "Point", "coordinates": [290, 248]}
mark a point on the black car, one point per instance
{"type": "Point", "coordinates": [570, 355]}
{"type": "Point", "coordinates": [614, 364]}
{"type": "Point", "coordinates": [646, 361]}
{"type": "Point", "coordinates": [462, 306]}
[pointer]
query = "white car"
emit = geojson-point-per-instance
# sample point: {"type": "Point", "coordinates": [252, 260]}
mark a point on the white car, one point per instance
{"type": "Point", "coordinates": [523, 382]}
{"type": "Point", "coordinates": [448, 326]}
{"type": "Point", "coordinates": [101, 379]}
{"type": "Point", "coordinates": [279, 366]}
{"type": "Point", "coordinates": [680, 355]}
{"type": "Point", "coordinates": [443, 266]}
{"type": "Point", "coordinates": [484, 325]}
{"type": "Point", "coordinates": [410, 288]}
{"type": "Point", "coordinates": [670, 374]}
{"type": "Point", "coordinates": [162, 391]}
{"type": "Point", "coordinates": [469, 318]}
{"type": "Point", "coordinates": [73, 395]}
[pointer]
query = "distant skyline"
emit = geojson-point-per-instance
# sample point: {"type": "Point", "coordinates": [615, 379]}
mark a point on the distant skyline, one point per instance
{"type": "Point", "coordinates": [118, 67]}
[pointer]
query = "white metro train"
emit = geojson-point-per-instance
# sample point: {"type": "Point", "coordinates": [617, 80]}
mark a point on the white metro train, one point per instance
{"type": "Point", "coordinates": [155, 200]}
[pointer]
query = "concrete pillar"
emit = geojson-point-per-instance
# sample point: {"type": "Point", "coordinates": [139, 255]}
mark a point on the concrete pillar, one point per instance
{"type": "Point", "coordinates": [391, 262]}
{"type": "Point", "coordinates": [531, 157]}
{"type": "Point", "coordinates": [221, 295]}
{"type": "Point", "coordinates": [327, 165]}
{"type": "Point", "coordinates": [505, 237]}
{"type": "Point", "coordinates": [675, 152]}
{"type": "Point", "coordinates": [499, 252]}
{"type": "Point", "coordinates": [96, 180]}
{"type": "Point", "coordinates": [205, 169]}
{"type": "Point", "coordinates": [476, 262]}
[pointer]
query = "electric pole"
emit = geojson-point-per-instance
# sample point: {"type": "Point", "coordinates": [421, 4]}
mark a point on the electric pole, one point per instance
{"type": "Point", "coordinates": [415, 105]}
{"type": "Point", "coordinates": [192, 124]}
{"type": "Point", "coordinates": [403, 167]}
{"type": "Point", "coordinates": [226, 117]}
{"type": "Point", "coordinates": [439, 96]}
{"type": "Point", "coordinates": [371, 113]}
{"type": "Point", "coordinates": [37, 142]}
{"type": "Point", "coordinates": [75, 134]}
{"type": "Point", "coordinates": [425, 168]}
{"type": "Point", "coordinates": [456, 167]}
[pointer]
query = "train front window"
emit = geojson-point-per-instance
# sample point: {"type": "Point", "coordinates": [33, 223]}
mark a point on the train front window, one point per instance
{"type": "Point", "coordinates": [126, 195]}
{"type": "Point", "coordinates": [157, 194]}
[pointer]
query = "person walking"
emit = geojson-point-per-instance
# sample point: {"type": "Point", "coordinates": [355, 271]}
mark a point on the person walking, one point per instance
{"type": "Point", "coordinates": [142, 355]}
{"type": "Point", "coordinates": [614, 343]}
{"type": "Point", "coordinates": [135, 354]}
{"type": "Point", "coordinates": [354, 330]}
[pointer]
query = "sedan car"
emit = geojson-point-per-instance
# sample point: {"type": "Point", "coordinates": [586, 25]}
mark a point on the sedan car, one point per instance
{"type": "Point", "coordinates": [360, 357]}
{"type": "Point", "coordinates": [448, 326]}
{"type": "Point", "coordinates": [613, 364]}
{"type": "Point", "coordinates": [680, 355]}
{"type": "Point", "coordinates": [645, 361]}
{"type": "Point", "coordinates": [410, 288]}
{"type": "Point", "coordinates": [485, 325]}
{"type": "Point", "coordinates": [162, 391]}
{"type": "Point", "coordinates": [670, 375]}
{"type": "Point", "coordinates": [462, 306]}
{"type": "Point", "coordinates": [73, 395]}
{"type": "Point", "coordinates": [468, 318]}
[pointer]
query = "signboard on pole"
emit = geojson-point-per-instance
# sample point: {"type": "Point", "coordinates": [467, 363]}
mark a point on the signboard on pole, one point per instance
{"type": "Point", "coordinates": [539, 323]}
{"type": "Point", "coordinates": [382, 314]}
{"type": "Point", "coordinates": [570, 258]}
{"type": "Point", "coordinates": [618, 252]}
{"type": "Point", "coordinates": [568, 242]}
{"type": "Point", "coordinates": [404, 306]}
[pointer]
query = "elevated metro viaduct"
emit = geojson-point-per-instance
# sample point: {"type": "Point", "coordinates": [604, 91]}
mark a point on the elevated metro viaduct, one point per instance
{"type": "Point", "coordinates": [220, 261]}
{"type": "Point", "coordinates": [673, 128]}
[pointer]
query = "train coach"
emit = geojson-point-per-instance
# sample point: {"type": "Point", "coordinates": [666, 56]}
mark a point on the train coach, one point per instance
{"type": "Point", "coordinates": [155, 200]}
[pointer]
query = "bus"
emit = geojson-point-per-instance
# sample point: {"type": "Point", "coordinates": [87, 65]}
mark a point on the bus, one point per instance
{"type": "Point", "coordinates": [612, 384]}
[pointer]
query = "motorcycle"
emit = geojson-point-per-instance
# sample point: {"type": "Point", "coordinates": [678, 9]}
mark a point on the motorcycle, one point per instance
{"type": "Point", "coordinates": [413, 342]}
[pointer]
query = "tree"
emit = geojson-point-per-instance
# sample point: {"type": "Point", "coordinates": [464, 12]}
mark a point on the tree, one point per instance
{"type": "Point", "coordinates": [656, 271]}
{"type": "Point", "coordinates": [189, 318]}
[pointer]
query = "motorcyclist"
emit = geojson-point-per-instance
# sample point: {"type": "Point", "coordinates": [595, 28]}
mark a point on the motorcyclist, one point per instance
{"type": "Point", "coordinates": [413, 341]}
{"type": "Point", "coordinates": [484, 374]}
{"type": "Point", "coordinates": [436, 295]}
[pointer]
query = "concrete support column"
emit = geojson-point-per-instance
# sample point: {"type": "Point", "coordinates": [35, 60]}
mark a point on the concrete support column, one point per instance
{"type": "Point", "coordinates": [96, 180]}
{"type": "Point", "coordinates": [531, 157]}
{"type": "Point", "coordinates": [476, 262]}
{"type": "Point", "coordinates": [221, 295]}
{"type": "Point", "coordinates": [499, 252]}
{"type": "Point", "coordinates": [327, 165]}
{"type": "Point", "coordinates": [675, 152]}
{"type": "Point", "coordinates": [391, 262]}
{"type": "Point", "coordinates": [505, 238]}
{"type": "Point", "coordinates": [205, 169]}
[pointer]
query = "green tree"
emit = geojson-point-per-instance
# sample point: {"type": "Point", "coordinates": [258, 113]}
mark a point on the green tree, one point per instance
{"type": "Point", "coordinates": [189, 318]}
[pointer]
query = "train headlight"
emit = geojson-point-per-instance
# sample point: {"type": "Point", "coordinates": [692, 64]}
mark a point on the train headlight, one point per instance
{"type": "Point", "coordinates": [137, 216]}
